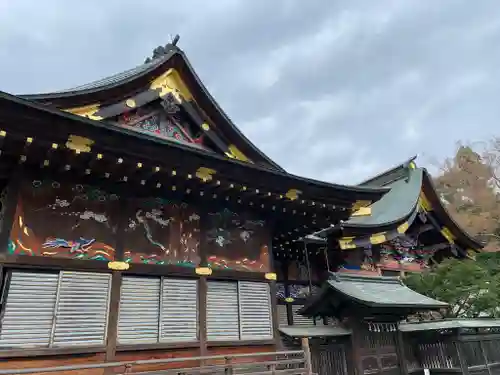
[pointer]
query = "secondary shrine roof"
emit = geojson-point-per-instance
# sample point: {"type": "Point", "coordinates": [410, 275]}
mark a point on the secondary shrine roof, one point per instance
{"type": "Point", "coordinates": [314, 331]}
{"type": "Point", "coordinates": [379, 292]}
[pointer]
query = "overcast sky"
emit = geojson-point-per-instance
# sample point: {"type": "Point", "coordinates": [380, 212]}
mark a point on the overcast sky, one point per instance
{"type": "Point", "coordinates": [334, 90]}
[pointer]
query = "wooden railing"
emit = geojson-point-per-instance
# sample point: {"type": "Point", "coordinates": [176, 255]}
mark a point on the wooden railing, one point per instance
{"type": "Point", "coordinates": [296, 362]}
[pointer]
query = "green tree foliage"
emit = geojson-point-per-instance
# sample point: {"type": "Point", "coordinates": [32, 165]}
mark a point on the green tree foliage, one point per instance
{"type": "Point", "coordinates": [471, 288]}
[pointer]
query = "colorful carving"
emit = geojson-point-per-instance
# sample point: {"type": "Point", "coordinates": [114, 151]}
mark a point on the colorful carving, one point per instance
{"type": "Point", "coordinates": [161, 232]}
{"type": "Point", "coordinates": [236, 242]}
{"type": "Point", "coordinates": [64, 220]}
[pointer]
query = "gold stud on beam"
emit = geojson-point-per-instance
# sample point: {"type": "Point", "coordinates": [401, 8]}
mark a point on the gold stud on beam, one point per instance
{"type": "Point", "coordinates": [29, 140]}
{"type": "Point", "coordinates": [174, 173]}
{"type": "Point", "coordinates": [106, 174]}
{"type": "Point", "coordinates": [231, 186]}
{"type": "Point", "coordinates": [99, 156]}
{"type": "Point", "coordinates": [3, 133]}
{"type": "Point", "coordinates": [143, 182]}
{"type": "Point", "coordinates": [55, 146]}
{"type": "Point", "coordinates": [218, 182]}
{"type": "Point", "coordinates": [189, 176]}
{"type": "Point", "coordinates": [46, 163]}
{"type": "Point", "coordinates": [119, 161]}
{"type": "Point", "coordinates": [22, 159]}
{"type": "Point", "coordinates": [174, 188]}
{"type": "Point", "coordinates": [188, 191]}
{"type": "Point", "coordinates": [139, 165]}
{"type": "Point", "coordinates": [157, 169]}
{"type": "Point", "coordinates": [87, 171]}
{"type": "Point", "coordinates": [125, 178]}
{"type": "Point", "coordinates": [158, 185]}
{"type": "Point", "coordinates": [67, 167]}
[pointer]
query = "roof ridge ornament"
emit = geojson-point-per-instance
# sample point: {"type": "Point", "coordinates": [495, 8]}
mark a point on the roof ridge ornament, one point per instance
{"type": "Point", "coordinates": [161, 51]}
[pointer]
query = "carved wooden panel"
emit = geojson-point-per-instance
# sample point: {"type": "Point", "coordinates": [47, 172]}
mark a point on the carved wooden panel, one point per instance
{"type": "Point", "coordinates": [159, 231]}
{"type": "Point", "coordinates": [237, 242]}
{"type": "Point", "coordinates": [55, 219]}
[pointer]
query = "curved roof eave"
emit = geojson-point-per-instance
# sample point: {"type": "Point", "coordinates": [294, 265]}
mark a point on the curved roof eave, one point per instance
{"type": "Point", "coordinates": [138, 72]}
{"type": "Point", "coordinates": [369, 193]}
{"type": "Point", "coordinates": [230, 123]}
{"type": "Point", "coordinates": [444, 216]}
{"type": "Point", "coordinates": [394, 207]}
{"type": "Point", "coordinates": [389, 176]}
{"type": "Point", "coordinates": [106, 83]}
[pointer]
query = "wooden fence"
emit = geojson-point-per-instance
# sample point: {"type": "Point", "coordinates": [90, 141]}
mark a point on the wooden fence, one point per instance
{"type": "Point", "coordinates": [273, 363]}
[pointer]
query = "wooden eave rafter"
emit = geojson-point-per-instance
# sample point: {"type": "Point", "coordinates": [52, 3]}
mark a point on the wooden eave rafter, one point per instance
{"type": "Point", "coordinates": [46, 138]}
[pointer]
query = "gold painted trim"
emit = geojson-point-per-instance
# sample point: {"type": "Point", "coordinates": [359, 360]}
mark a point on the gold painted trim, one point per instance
{"type": "Point", "coordinates": [270, 276]}
{"type": "Point", "coordinates": [118, 266]}
{"type": "Point", "coordinates": [412, 165]}
{"type": "Point", "coordinates": [424, 203]}
{"type": "Point", "coordinates": [171, 82]}
{"type": "Point", "coordinates": [79, 144]}
{"type": "Point", "coordinates": [130, 103]}
{"type": "Point", "coordinates": [289, 299]}
{"type": "Point", "coordinates": [205, 174]}
{"type": "Point", "coordinates": [448, 235]}
{"type": "Point", "coordinates": [87, 111]}
{"type": "Point", "coordinates": [234, 153]}
{"type": "Point", "coordinates": [363, 211]}
{"type": "Point", "coordinates": [403, 227]}
{"type": "Point", "coordinates": [359, 204]}
{"type": "Point", "coordinates": [378, 238]}
{"type": "Point", "coordinates": [203, 271]}
{"type": "Point", "coordinates": [293, 194]}
{"type": "Point", "coordinates": [346, 243]}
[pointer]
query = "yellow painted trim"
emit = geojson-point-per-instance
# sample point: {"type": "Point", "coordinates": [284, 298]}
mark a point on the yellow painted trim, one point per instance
{"type": "Point", "coordinates": [424, 203]}
{"type": "Point", "coordinates": [234, 153]}
{"type": "Point", "coordinates": [205, 174]}
{"type": "Point", "coordinates": [363, 211]}
{"type": "Point", "coordinates": [346, 243]}
{"type": "Point", "coordinates": [448, 235]}
{"type": "Point", "coordinates": [412, 165]}
{"type": "Point", "coordinates": [171, 82]}
{"type": "Point", "coordinates": [87, 111]}
{"type": "Point", "coordinates": [203, 271]}
{"type": "Point", "coordinates": [118, 266]}
{"type": "Point", "coordinates": [293, 194]}
{"type": "Point", "coordinates": [270, 276]}
{"type": "Point", "coordinates": [359, 204]}
{"type": "Point", "coordinates": [377, 238]}
{"type": "Point", "coordinates": [79, 144]}
{"type": "Point", "coordinates": [403, 227]}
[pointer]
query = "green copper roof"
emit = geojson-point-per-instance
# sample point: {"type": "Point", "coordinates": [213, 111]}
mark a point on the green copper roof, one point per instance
{"type": "Point", "coordinates": [371, 291]}
{"type": "Point", "coordinates": [395, 206]}
{"type": "Point", "coordinates": [380, 291]}
{"type": "Point", "coordinates": [314, 331]}
{"type": "Point", "coordinates": [390, 176]}
{"type": "Point", "coordinates": [449, 324]}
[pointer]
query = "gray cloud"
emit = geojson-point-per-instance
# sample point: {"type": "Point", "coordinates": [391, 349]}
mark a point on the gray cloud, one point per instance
{"type": "Point", "coordinates": [331, 90]}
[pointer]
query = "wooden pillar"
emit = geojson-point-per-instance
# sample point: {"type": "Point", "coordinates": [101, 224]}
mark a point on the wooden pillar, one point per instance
{"type": "Point", "coordinates": [401, 353]}
{"type": "Point", "coordinates": [202, 286]}
{"type": "Point", "coordinates": [307, 355]}
{"type": "Point", "coordinates": [114, 308]}
{"type": "Point", "coordinates": [10, 201]}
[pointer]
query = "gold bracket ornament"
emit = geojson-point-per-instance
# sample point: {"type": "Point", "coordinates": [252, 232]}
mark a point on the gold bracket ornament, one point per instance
{"type": "Point", "coordinates": [171, 82]}
{"type": "Point", "coordinates": [79, 144]}
{"type": "Point", "coordinates": [346, 243]}
{"type": "Point", "coordinates": [205, 174]}
{"type": "Point", "coordinates": [363, 211]}
{"type": "Point", "coordinates": [378, 238]}
{"type": "Point", "coordinates": [360, 204]}
{"type": "Point", "coordinates": [203, 271]}
{"type": "Point", "coordinates": [270, 276]}
{"type": "Point", "coordinates": [88, 111]}
{"type": "Point", "coordinates": [118, 266]}
{"type": "Point", "coordinates": [234, 153]}
{"type": "Point", "coordinates": [293, 194]}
